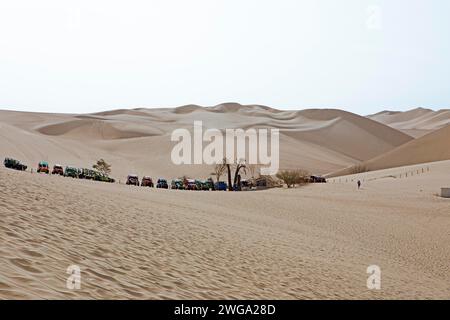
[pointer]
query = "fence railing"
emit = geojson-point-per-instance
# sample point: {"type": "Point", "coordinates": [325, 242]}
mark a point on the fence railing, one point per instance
{"type": "Point", "coordinates": [371, 175]}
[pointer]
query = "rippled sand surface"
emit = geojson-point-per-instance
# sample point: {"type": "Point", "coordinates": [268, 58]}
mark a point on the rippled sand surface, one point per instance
{"type": "Point", "coordinates": [309, 243]}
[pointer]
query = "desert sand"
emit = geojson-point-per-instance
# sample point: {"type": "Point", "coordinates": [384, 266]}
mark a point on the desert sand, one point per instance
{"type": "Point", "coordinates": [434, 146]}
{"type": "Point", "coordinates": [138, 141]}
{"type": "Point", "coordinates": [417, 122]}
{"type": "Point", "coordinates": [307, 243]}
{"type": "Point", "coordinates": [313, 242]}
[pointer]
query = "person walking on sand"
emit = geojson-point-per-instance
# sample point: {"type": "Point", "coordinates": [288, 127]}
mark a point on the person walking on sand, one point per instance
{"type": "Point", "coordinates": [359, 184]}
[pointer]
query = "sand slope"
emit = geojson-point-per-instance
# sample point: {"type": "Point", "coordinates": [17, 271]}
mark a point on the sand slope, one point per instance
{"type": "Point", "coordinates": [432, 147]}
{"type": "Point", "coordinates": [417, 122]}
{"type": "Point", "coordinates": [136, 243]}
{"type": "Point", "coordinates": [138, 141]}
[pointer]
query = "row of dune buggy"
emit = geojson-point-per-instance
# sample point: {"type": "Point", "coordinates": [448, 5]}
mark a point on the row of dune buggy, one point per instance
{"type": "Point", "coordinates": [132, 179]}
{"type": "Point", "coordinates": [68, 171]}
{"type": "Point", "coordinates": [178, 184]}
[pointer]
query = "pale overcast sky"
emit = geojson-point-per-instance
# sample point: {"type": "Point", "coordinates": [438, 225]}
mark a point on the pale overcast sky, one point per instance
{"type": "Point", "coordinates": [360, 55]}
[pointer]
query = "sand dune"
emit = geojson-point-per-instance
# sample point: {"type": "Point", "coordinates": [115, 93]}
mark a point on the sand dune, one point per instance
{"type": "Point", "coordinates": [187, 109]}
{"type": "Point", "coordinates": [349, 134]}
{"type": "Point", "coordinates": [121, 112]}
{"type": "Point", "coordinates": [310, 243]}
{"type": "Point", "coordinates": [138, 140]}
{"type": "Point", "coordinates": [432, 147]}
{"type": "Point", "coordinates": [232, 107]}
{"type": "Point", "coordinates": [97, 129]}
{"type": "Point", "coordinates": [417, 122]}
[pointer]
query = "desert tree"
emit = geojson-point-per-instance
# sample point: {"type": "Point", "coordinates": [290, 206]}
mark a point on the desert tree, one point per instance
{"type": "Point", "coordinates": [238, 167]}
{"type": "Point", "coordinates": [219, 169]}
{"type": "Point", "coordinates": [102, 166]}
{"type": "Point", "coordinates": [293, 177]}
{"type": "Point", "coordinates": [230, 187]}
{"type": "Point", "coordinates": [227, 166]}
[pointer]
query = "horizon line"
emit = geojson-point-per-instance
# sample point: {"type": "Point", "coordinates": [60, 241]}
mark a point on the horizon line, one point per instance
{"type": "Point", "coordinates": [14, 109]}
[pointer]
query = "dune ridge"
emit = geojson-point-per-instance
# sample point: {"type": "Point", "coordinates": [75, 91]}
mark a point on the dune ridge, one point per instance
{"type": "Point", "coordinates": [416, 122]}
